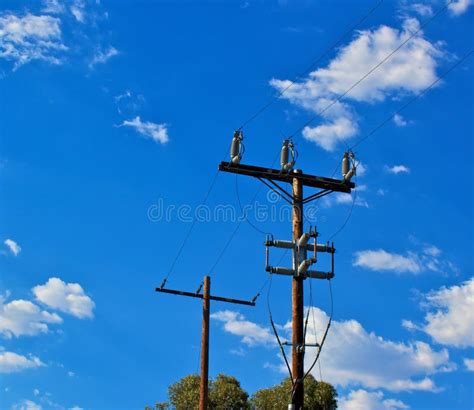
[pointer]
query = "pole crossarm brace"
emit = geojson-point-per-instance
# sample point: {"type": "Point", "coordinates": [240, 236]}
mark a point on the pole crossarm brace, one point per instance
{"type": "Point", "coordinates": [329, 184]}
{"type": "Point", "coordinates": [200, 296]}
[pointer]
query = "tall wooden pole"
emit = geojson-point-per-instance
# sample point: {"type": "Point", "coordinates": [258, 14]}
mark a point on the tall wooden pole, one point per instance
{"type": "Point", "coordinates": [297, 400]}
{"type": "Point", "coordinates": [203, 397]}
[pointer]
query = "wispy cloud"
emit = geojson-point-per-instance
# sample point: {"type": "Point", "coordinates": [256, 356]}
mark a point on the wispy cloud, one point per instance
{"type": "Point", "coordinates": [400, 121]}
{"type": "Point", "coordinates": [102, 56]}
{"type": "Point", "coordinates": [12, 246]}
{"type": "Point", "coordinates": [30, 37]}
{"type": "Point", "coordinates": [157, 132]}
{"type": "Point", "coordinates": [469, 364]}
{"type": "Point", "coordinates": [11, 362]}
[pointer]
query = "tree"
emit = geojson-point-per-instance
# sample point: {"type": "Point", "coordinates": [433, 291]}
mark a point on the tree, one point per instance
{"type": "Point", "coordinates": [317, 396]}
{"type": "Point", "coordinates": [224, 393]}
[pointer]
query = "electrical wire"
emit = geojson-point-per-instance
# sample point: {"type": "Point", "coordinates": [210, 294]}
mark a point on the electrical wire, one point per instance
{"type": "Point", "coordinates": [188, 234]}
{"type": "Point", "coordinates": [374, 68]}
{"type": "Point", "coordinates": [310, 67]}
{"type": "Point", "coordinates": [311, 304]}
{"type": "Point", "coordinates": [325, 332]}
{"type": "Point", "coordinates": [414, 98]}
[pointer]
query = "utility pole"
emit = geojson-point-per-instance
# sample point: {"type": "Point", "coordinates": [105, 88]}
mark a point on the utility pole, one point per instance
{"type": "Point", "coordinates": [300, 270]}
{"type": "Point", "coordinates": [206, 308]}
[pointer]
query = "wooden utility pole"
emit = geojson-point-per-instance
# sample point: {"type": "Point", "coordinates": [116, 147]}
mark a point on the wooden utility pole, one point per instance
{"type": "Point", "coordinates": [204, 386]}
{"type": "Point", "coordinates": [206, 308]}
{"type": "Point", "coordinates": [297, 351]}
{"type": "Point", "coordinates": [300, 270]}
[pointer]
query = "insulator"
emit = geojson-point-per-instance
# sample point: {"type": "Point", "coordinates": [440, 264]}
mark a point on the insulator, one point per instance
{"type": "Point", "coordinates": [236, 148]}
{"type": "Point", "coordinates": [287, 149]}
{"type": "Point", "coordinates": [345, 164]}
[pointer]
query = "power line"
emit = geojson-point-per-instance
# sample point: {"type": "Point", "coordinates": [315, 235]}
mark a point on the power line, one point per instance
{"type": "Point", "coordinates": [374, 68]}
{"type": "Point", "coordinates": [188, 234]}
{"type": "Point", "coordinates": [310, 67]}
{"type": "Point", "coordinates": [414, 98]}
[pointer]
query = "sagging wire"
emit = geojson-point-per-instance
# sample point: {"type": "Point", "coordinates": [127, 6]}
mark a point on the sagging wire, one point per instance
{"type": "Point", "coordinates": [325, 332]}
{"type": "Point", "coordinates": [275, 332]}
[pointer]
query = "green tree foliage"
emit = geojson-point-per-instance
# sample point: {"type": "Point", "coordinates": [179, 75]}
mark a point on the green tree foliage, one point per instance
{"type": "Point", "coordinates": [317, 396]}
{"type": "Point", "coordinates": [224, 393]}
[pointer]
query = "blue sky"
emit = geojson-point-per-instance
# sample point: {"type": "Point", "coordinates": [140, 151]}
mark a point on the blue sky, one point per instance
{"type": "Point", "coordinates": [114, 117]}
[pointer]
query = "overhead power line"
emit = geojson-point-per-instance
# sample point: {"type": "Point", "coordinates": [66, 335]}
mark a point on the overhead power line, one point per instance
{"type": "Point", "coordinates": [311, 66]}
{"type": "Point", "coordinates": [368, 73]}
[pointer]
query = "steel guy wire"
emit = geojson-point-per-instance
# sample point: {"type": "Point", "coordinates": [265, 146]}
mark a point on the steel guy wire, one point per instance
{"type": "Point", "coordinates": [188, 234]}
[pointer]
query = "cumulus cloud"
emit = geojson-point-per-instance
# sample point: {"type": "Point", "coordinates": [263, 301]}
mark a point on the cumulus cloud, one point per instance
{"type": "Point", "coordinates": [381, 260]}
{"type": "Point", "coordinates": [52, 7]}
{"type": "Point", "coordinates": [354, 356]}
{"type": "Point", "coordinates": [157, 132]}
{"type": "Point", "coordinates": [22, 317]}
{"type": "Point", "coordinates": [411, 69]}
{"type": "Point", "coordinates": [102, 56]}
{"type": "Point", "coordinates": [236, 324]}
{"type": "Point", "coordinates": [14, 248]}
{"type": "Point", "coordinates": [13, 363]}
{"type": "Point", "coordinates": [449, 319]}
{"type": "Point", "coordinates": [398, 169]}
{"type": "Point", "coordinates": [30, 37]}
{"type": "Point", "coordinates": [459, 7]}
{"type": "Point", "coordinates": [364, 400]}
{"type": "Point", "coordinates": [66, 297]}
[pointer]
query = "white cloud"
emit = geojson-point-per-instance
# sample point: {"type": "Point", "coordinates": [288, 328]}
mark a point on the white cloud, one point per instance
{"type": "Point", "coordinates": [353, 356]}
{"type": "Point", "coordinates": [13, 363]}
{"type": "Point", "coordinates": [411, 69]}
{"type": "Point", "coordinates": [424, 10]}
{"type": "Point", "coordinates": [459, 7]}
{"type": "Point", "coordinates": [66, 297]}
{"type": "Point", "coordinates": [22, 317]}
{"type": "Point", "coordinates": [102, 56]}
{"type": "Point", "coordinates": [36, 392]}
{"type": "Point", "coordinates": [13, 246]}
{"type": "Point", "coordinates": [364, 400]}
{"type": "Point", "coordinates": [52, 7]}
{"type": "Point", "coordinates": [400, 121]}
{"type": "Point", "coordinates": [328, 135]}
{"type": "Point", "coordinates": [77, 9]}
{"type": "Point", "coordinates": [450, 319]}
{"type": "Point", "coordinates": [398, 169]}
{"type": "Point", "coordinates": [236, 324]}
{"type": "Point", "coordinates": [382, 260]}
{"type": "Point", "coordinates": [469, 363]}
{"type": "Point", "coordinates": [27, 405]}
{"type": "Point", "coordinates": [157, 132]}
{"type": "Point", "coordinates": [424, 258]}
{"type": "Point", "coordinates": [27, 38]}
